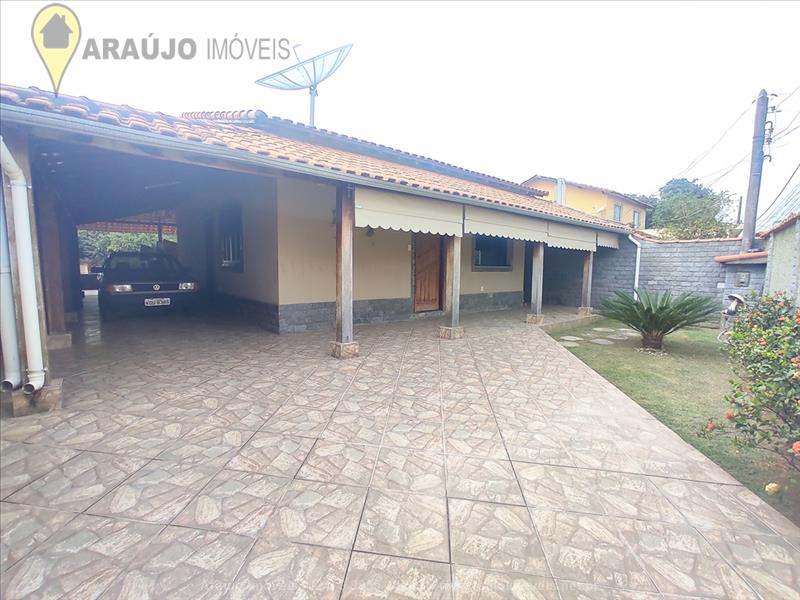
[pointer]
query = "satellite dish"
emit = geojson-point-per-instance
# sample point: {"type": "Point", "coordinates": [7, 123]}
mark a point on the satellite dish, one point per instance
{"type": "Point", "coordinates": [307, 74]}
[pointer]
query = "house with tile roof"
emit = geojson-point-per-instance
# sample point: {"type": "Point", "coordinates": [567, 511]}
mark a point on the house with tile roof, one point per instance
{"type": "Point", "coordinates": [294, 227]}
{"type": "Point", "coordinates": [592, 200]}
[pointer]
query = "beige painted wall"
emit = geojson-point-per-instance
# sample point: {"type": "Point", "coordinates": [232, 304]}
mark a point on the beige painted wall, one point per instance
{"type": "Point", "coordinates": [293, 218]}
{"type": "Point", "coordinates": [381, 264]}
{"type": "Point", "coordinates": [257, 197]}
{"type": "Point", "coordinates": [306, 241]}
{"type": "Point", "coordinates": [259, 280]}
{"type": "Point", "coordinates": [307, 247]}
{"type": "Point", "coordinates": [491, 281]}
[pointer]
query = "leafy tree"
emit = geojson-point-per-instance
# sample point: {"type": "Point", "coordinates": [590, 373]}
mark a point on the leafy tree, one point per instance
{"type": "Point", "coordinates": [97, 245]}
{"type": "Point", "coordinates": [655, 316]}
{"type": "Point", "coordinates": [689, 210]}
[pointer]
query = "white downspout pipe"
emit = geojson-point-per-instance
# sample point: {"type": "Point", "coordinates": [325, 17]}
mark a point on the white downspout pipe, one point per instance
{"type": "Point", "coordinates": [638, 264]}
{"type": "Point", "coordinates": [12, 369]}
{"type": "Point", "coordinates": [27, 270]}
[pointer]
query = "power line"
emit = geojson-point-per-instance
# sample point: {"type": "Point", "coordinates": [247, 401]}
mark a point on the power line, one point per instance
{"type": "Point", "coordinates": [727, 169]}
{"type": "Point", "coordinates": [794, 118]}
{"type": "Point", "coordinates": [792, 93]}
{"type": "Point", "coordinates": [706, 152]}
{"type": "Point", "coordinates": [783, 189]}
{"type": "Point", "coordinates": [784, 133]}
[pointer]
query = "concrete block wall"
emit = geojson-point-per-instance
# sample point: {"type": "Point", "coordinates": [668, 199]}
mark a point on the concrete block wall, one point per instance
{"type": "Point", "coordinates": [613, 270]}
{"type": "Point", "coordinates": [563, 276]}
{"type": "Point", "coordinates": [686, 266]}
{"type": "Point", "coordinates": [757, 277]}
{"type": "Point", "coordinates": [689, 266]}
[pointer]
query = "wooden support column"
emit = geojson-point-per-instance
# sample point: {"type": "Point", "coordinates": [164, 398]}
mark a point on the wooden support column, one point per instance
{"type": "Point", "coordinates": [70, 273]}
{"type": "Point", "coordinates": [52, 269]}
{"type": "Point", "coordinates": [452, 330]}
{"type": "Point", "coordinates": [344, 346]}
{"type": "Point", "coordinates": [586, 291]}
{"type": "Point", "coordinates": [537, 284]}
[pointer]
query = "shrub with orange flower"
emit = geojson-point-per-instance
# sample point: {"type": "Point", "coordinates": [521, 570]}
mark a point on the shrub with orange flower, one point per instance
{"type": "Point", "coordinates": [764, 349]}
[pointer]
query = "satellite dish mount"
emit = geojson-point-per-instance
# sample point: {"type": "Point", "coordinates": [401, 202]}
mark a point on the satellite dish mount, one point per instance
{"type": "Point", "coordinates": [307, 74]}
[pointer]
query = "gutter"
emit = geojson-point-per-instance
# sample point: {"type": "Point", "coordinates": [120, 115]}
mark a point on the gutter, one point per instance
{"type": "Point", "coordinates": [74, 125]}
{"type": "Point", "coordinates": [9, 340]}
{"type": "Point", "coordinates": [638, 265]}
{"type": "Point", "coordinates": [27, 270]}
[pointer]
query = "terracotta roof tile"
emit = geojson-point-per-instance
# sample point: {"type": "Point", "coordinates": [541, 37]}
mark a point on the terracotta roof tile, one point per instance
{"type": "Point", "coordinates": [790, 220]}
{"type": "Point", "coordinates": [244, 137]}
{"type": "Point", "coordinates": [726, 258]}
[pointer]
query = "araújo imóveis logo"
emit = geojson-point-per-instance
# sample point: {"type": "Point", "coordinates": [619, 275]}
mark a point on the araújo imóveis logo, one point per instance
{"type": "Point", "coordinates": [56, 33]}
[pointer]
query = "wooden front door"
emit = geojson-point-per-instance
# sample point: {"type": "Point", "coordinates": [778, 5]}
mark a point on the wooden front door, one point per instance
{"type": "Point", "coordinates": [427, 272]}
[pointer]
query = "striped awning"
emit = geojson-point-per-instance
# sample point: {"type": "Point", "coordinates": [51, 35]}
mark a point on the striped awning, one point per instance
{"type": "Point", "coordinates": [607, 239]}
{"type": "Point", "coordinates": [483, 221]}
{"type": "Point", "coordinates": [571, 237]}
{"type": "Point", "coordinates": [392, 210]}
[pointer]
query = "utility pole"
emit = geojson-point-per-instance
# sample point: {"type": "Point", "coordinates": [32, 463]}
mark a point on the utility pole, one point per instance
{"type": "Point", "coordinates": [756, 166]}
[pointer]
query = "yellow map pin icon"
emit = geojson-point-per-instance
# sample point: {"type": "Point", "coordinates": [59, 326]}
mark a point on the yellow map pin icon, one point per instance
{"type": "Point", "coordinates": [56, 33]}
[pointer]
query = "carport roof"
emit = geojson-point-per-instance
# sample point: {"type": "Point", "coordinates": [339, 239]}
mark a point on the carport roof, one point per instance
{"type": "Point", "coordinates": [241, 136]}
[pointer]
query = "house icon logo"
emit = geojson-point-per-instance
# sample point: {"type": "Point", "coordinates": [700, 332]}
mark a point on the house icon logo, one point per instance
{"type": "Point", "coordinates": [56, 33]}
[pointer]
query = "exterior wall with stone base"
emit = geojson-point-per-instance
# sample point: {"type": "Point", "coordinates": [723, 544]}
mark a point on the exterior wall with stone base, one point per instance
{"type": "Point", "coordinates": [262, 313]}
{"type": "Point", "coordinates": [322, 315]}
{"type": "Point", "coordinates": [490, 301]}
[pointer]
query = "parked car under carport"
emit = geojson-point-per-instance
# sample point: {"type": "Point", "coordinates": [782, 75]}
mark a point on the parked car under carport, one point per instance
{"type": "Point", "coordinates": [144, 282]}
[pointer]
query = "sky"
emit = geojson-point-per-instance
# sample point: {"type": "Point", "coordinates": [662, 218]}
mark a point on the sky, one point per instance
{"type": "Point", "coordinates": [619, 95]}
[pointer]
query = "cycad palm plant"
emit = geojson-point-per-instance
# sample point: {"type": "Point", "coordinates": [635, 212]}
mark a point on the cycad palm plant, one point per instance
{"type": "Point", "coordinates": [657, 315]}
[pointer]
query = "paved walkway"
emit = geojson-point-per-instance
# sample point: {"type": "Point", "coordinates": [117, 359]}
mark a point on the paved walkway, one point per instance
{"type": "Point", "coordinates": [208, 460]}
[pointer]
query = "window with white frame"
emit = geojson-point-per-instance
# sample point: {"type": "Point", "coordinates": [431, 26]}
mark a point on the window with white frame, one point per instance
{"type": "Point", "coordinates": [618, 213]}
{"type": "Point", "coordinates": [637, 219]}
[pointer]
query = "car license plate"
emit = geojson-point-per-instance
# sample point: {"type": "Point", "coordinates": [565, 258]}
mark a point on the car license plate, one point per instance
{"type": "Point", "coordinates": [157, 301]}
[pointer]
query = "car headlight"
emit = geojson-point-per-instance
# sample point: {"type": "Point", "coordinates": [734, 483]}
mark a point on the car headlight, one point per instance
{"type": "Point", "coordinates": [187, 285]}
{"type": "Point", "coordinates": [121, 288]}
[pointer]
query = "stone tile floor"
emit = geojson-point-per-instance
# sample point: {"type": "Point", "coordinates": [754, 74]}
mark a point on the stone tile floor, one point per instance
{"type": "Point", "coordinates": [210, 459]}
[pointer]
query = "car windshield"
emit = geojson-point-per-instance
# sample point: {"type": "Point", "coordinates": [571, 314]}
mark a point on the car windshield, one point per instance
{"type": "Point", "coordinates": [143, 264]}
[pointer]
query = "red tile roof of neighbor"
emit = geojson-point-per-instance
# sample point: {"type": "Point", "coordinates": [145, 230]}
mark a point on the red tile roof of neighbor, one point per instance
{"type": "Point", "coordinates": [532, 181]}
{"type": "Point", "coordinates": [790, 220]}
{"type": "Point", "coordinates": [254, 132]}
{"type": "Point", "coordinates": [726, 258]}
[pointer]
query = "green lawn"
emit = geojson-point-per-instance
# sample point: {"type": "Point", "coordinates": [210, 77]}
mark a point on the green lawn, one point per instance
{"type": "Point", "coordinates": [683, 389]}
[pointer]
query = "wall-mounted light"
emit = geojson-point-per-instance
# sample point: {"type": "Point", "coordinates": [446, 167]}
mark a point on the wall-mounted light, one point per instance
{"type": "Point", "coordinates": [370, 231]}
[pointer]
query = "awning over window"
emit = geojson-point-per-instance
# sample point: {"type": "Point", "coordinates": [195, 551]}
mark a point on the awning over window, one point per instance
{"type": "Point", "coordinates": [404, 212]}
{"type": "Point", "coordinates": [607, 239]}
{"type": "Point", "coordinates": [570, 237]}
{"type": "Point", "coordinates": [393, 210]}
{"type": "Point", "coordinates": [484, 221]}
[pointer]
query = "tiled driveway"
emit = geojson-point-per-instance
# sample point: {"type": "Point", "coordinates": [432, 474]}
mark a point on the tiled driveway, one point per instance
{"type": "Point", "coordinates": [216, 460]}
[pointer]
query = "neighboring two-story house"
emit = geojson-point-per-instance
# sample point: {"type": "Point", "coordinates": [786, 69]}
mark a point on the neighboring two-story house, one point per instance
{"type": "Point", "coordinates": [593, 200]}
